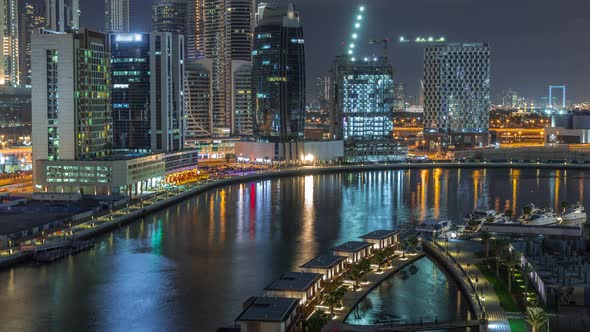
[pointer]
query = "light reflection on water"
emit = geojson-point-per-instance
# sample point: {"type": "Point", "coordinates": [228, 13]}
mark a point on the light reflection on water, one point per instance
{"type": "Point", "coordinates": [191, 266]}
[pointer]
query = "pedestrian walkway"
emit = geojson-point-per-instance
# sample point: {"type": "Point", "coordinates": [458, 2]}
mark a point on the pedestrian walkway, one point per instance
{"type": "Point", "coordinates": [464, 252]}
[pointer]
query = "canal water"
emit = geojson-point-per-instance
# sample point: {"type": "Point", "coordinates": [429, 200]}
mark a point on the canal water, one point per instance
{"type": "Point", "coordinates": [394, 301]}
{"type": "Point", "coordinates": [190, 267]}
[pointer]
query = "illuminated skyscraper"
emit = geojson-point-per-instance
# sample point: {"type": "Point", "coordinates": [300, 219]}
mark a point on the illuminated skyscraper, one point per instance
{"type": "Point", "coordinates": [362, 109]}
{"type": "Point", "coordinates": [169, 16]}
{"type": "Point", "coordinates": [116, 15]}
{"type": "Point", "coordinates": [228, 37]}
{"type": "Point", "coordinates": [197, 92]}
{"type": "Point", "coordinates": [457, 95]}
{"type": "Point", "coordinates": [242, 101]}
{"type": "Point", "coordinates": [278, 72]}
{"type": "Point", "coordinates": [32, 19]}
{"type": "Point", "coordinates": [9, 51]}
{"type": "Point", "coordinates": [63, 15]}
{"type": "Point", "coordinates": [195, 35]}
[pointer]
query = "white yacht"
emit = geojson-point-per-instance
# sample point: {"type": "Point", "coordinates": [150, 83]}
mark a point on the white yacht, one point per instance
{"type": "Point", "coordinates": [573, 215]}
{"type": "Point", "coordinates": [435, 228]}
{"type": "Point", "coordinates": [539, 217]}
{"type": "Point", "coordinates": [484, 216]}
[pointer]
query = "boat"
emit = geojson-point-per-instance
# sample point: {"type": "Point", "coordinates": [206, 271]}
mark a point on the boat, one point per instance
{"type": "Point", "coordinates": [477, 218]}
{"type": "Point", "coordinates": [573, 215]}
{"type": "Point", "coordinates": [435, 228]}
{"type": "Point", "coordinates": [539, 217]}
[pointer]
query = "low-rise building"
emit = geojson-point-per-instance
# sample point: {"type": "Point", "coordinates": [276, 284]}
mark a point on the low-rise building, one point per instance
{"type": "Point", "coordinates": [269, 314]}
{"type": "Point", "coordinates": [301, 285]}
{"type": "Point", "coordinates": [311, 151]}
{"type": "Point", "coordinates": [382, 238]}
{"type": "Point", "coordinates": [329, 266]}
{"type": "Point", "coordinates": [354, 251]}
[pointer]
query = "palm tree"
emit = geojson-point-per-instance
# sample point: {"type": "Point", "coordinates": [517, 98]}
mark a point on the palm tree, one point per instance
{"type": "Point", "coordinates": [380, 258]}
{"type": "Point", "coordinates": [333, 297]}
{"type": "Point", "coordinates": [316, 322]}
{"type": "Point", "coordinates": [500, 247]}
{"type": "Point", "coordinates": [404, 245]}
{"type": "Point", "coordinates": [389, 252]}
{"type": "Point", "coordinates": [526, 271]}
{"type": "Point", "coordinates": [365, 265]}
{"type": "Point", "coordinates": [564, 205]}
{"type": "Point", "coordinates": [355, 273]}
{"type": "Point", "coordinates": [536, 317]}
{"type": "Point", "coordinates": [485, 238]}
{"type": "Point", "coordinates": [413, 242]}
{"type": "Point", "coordinates": [510, 260]}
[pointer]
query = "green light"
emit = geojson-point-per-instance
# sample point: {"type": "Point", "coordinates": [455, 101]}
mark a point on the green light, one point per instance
{"type": "Point", "coordinates": [357, 25]}
{"type": "Point", "coordinates": [362, 8]}
{"type": "Point", "coordinates": [349, 51]}
{"type": "Point", "coordinates": [360, 17]}
{"type": "Point", "coordinates": [354, 36]}
{"type": "Point", "coordinates": [351, 45]}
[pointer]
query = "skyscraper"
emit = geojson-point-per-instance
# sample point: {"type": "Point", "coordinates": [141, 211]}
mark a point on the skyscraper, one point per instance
{"type": "Point", "coordinates": [9, 51]}
{"type": "Point", "coordinates": [228, 37]}
{"type": "Point", "coordinates": [148, 91]}
{"type": "Point", "coordinates": [242, 100]}
{"type": "Point", "coordinates": [70, 96]}
{"type": "Point", "coordinates": [197, 93]}
{"type": "Point", "coordinates": [169, 16]}
{"type": "Point", "coordinates": [278, 69]}
{"type": "Point", "coordinates": [167, 92]}
{"type": "Point", "coordinates": [116, 15]}
{"type": "Point", "coordinates": [457, 95]}
{"type": "Point", "coordinates": [195, 35]}
{"type": "Point", "coordinates": [32, 19]}
{"type": "Point", "coordinates": [399, 95]}
{"type": "Point", "coordinates": [63, 15]}
{"type": "Point", "coordinates": [362, 109]}
{"type": "Point", "coordinates": [130, 94]}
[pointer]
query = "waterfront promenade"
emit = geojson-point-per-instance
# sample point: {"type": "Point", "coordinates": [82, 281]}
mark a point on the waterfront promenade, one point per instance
{"type": "Point", "coordinates": [464, 252]}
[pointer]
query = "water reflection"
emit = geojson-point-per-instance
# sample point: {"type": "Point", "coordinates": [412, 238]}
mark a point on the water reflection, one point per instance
{"type": "Point", "coordinates": [191, 266]}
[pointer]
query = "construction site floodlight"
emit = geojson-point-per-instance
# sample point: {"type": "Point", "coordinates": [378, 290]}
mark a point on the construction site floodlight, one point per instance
{"type": "Point", "coordinates": [362, 9]}
{"type": "Point", "coordinates": [360, 17]}
{"type": "Point", "coordinates": [354, 36]}
{"type": "Point", "coordinates": [357, 25]}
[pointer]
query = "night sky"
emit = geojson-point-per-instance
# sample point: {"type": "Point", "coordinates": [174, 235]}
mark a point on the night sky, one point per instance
{"type": "Point", "coordinates": [534, 43]}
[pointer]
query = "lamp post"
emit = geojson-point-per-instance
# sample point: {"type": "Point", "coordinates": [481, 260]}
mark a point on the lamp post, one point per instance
{"type": "Point", "coordinates": [447, 245]}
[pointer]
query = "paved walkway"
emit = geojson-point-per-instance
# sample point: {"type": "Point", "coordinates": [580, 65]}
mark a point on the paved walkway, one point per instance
{"type": "Point", "coordinates": [466, 255]}
{"type": "Point", "coordinates": [351, 298]}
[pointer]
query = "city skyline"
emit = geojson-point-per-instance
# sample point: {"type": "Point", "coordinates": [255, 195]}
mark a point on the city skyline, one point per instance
{"type": "Point", "coordinates": [529, 70]}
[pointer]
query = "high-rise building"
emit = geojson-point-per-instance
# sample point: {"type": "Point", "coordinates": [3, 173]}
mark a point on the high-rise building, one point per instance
{"type": "Point", "coordinates": [130, 94]}
{"type": "Point", "coordinates": [148, 91]}
{"type": "Point", "coordinates": [32, 19]}
{"type": "Point", "coordinates": [399, 96]}
{"type": "Point", "coordinates": [9, 42]}
{"type": "Point", "coordinates": [116, 15]}
{"type": "Point", "coordinates": [278, 71]}
{"type": "Point", "coordinates": [242, 101]}
{"type": "Point", "coordinates": [457, 95]}
{"type": "Point", "coordinates": [167, 91]}
{"type": "Point", "coordinates": [228, 37]}
{"type": "Point", "coordinates": [195, 35]}
{"type": "Point", "coordinates": [70, 96]}
{"type": "Point", "coordinates": [197, 93]}
{"type": "Point", "coordinates": [362, 109]}
{"type": "Point", "coordinates": [63, 15]}
{"type": "Point", "coordinates": [169, 16]}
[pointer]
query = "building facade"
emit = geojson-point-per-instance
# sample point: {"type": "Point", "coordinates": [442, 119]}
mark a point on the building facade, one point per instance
{"type": "Point", "coordinates": [278, 70]}
{"type": "Point", "coordinates": [63, 15]}
{"type": "Point", "coordinates": [198, 101]}
{"type": "Point", "coordinates": [242, 100]}
{"type": "Point", "coordinates": [167, 92]}
{"type": "Point", "coordinates": [130, 94]}
{"type": "Point", "coordinates": [195, 35]}
{"type": "Point", "coordinates": [116, 15]}
{"type": "Point", "coordinates": [32, 19]}
{"type": "Point", "coordinates": [228, 37]}
{"type": "Point", "coordinates": [457, 95]}
{"type": "Point", "coordinates": [9, 43]}
{"type": "Point", "coordinates": [362, 110]}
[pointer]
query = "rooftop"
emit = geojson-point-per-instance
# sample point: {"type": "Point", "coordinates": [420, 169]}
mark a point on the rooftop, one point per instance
{"type": "Point", "coordinates": [352, 246]}
{"type": "Point", "coordinates": [379, 234]}
{"type": "Point", "coordinates": [324, 261]}
{"type": "Point", "coordinates": [294, 281]}
{"type": "Point", "coordinates": [268, 309]}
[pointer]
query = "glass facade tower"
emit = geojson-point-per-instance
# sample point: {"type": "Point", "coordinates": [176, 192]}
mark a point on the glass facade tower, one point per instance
{"type": "Point", "coordinates": [278, 59]}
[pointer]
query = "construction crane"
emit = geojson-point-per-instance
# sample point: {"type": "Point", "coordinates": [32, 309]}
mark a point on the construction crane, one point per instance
{"type": "Point", "coordinates": [355, 33]}
{"type": "Point", "coordinates": [429, 40]}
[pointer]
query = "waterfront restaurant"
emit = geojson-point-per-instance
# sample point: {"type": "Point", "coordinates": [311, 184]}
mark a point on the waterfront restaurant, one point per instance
{"type": "Point", "coordinates": [301, 285]}
{"type": "Point", "coordinates": [354, 251]}
{"type": "Point", "coordinates": [329, 266]}
{"type": "Point", "coordinates": [269, 314]}
{"type": "Point", "coordinates": [382, 239]}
